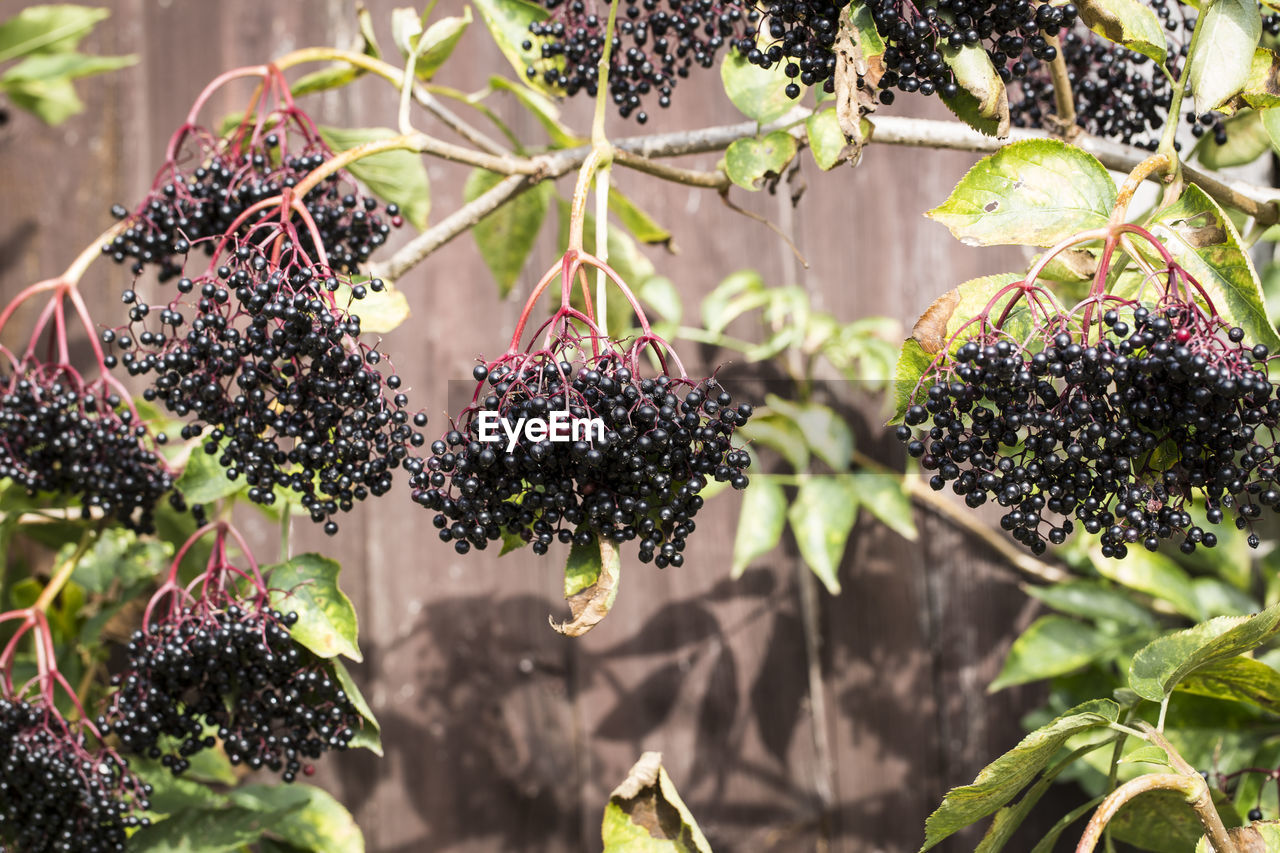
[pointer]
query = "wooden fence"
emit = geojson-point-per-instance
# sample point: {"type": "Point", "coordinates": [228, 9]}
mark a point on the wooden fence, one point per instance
{"type": "Point", "coordinates": [499, 733]}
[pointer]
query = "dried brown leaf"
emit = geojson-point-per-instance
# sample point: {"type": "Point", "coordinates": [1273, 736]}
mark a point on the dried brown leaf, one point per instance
{"type": "Point", "coordinates": [930, 331]}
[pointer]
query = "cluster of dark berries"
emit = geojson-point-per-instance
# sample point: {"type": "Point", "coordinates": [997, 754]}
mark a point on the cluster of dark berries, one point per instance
{"type": "Point", "coordinates": [61, 435]}
{"type": "Point", "coordinates": [266, 366]}
{"type": "Point", "coordinates": [1014, 34]}
{"type": "Point", "coordinates": [799, 35]}
{"type": "Point", "coordinates": [627, 460]}
{"type": "Point", "coordinates": [1117, 436]}
{"type": "Point", "coordinates": [209, 184]}
{"type": "Point", "coordinates": [235, 670]}
{"type": "Point", "coordinates": [662, 44]}
{"type": "Point", "coordinates": [57, 795]}
{"type": "Point", "coordinates": [1119, 94]}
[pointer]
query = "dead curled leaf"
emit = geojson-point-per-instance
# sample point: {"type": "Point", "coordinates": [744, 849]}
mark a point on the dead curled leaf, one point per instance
{"type": "Point", "coordinates": [589, 606]}
{"type": "Point", "coordinates": [930, 331]}
{"type": "Point", "coordinates": [855, 80]}
{"type": "Point", "coordinates": [644, 774]}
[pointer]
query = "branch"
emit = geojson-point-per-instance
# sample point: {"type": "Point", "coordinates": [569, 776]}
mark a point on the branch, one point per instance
{"type": "Point", "coordinates": [1064, 104]}
{"type": "Point", "coordinates": [1258, 202]}
{"type": "Point", "coordinates": [464, 218]}
{"type": "Point", "coordinates": [639, 152]}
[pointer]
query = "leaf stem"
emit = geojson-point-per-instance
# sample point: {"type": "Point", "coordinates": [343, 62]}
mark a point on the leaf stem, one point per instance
{"type": "Point", "coordinates": [63, 573]}
{"type": "Point", "coordinates": [1170, 135]}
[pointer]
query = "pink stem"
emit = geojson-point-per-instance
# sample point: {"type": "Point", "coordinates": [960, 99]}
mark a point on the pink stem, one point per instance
{"type": "Point", "coordinates": [27, 293]}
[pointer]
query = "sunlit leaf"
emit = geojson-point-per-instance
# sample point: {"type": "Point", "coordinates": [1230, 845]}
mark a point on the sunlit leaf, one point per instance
{"type": "Point", "coordinates": [308, 585]}
{"type": "Point", "coordinates": [1033, 192]}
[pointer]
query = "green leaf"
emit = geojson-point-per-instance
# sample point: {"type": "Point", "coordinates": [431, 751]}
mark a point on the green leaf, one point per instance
{"type": "Point", "coordinates": [1050, 839]}
{"type": "Point", "coordinates": [340, 73]}
{"type": "Point", "coordinates": [1035, 192]}
{"type": "Point", "coordinates": [370, 735]}
{"type": "Point", "coordinates": [1271, 123]}
{"type": "Point", "coordinates": [1126, 22]}
{"type": "Point", "coordinates": [1161, 820]}
{"type": "Point", "coordinates": [1009, 818]}
{"type": "Point", "coordinates": [975, 296]}
{"type": "Point", "coordinates": [172, 794]}
{"type": "Point", "coordinates": [826, 139]}
{"type": "Point", "coordinates": [68, 66]}
{"type": "Point", "coordinates": [1219, 598]}
{"type": "Point", "coordinates": [437, 44]}
{"type": "Point", "coordinates": [1051, 645]}
{"type": "Point", "coordinates": [1259, 836]}
{"type": "Point", "coordinates": [1202, 239]}
{"type": "Point", "coordinates": [119, 555]}
{"type": "Point", "coordinates": [659, 294]}
{"type": "Point", "coordinates": [913, 362]}
{"type": "Point", "coordinates": [1093, 600]}
{"type": "Point", "coordinates": [582, 568]}
{"type": "Point", "coordinates": [739, 292]}
{"type": "Point", "coordinates": [1162, 663]}
{"type": "Point", "coordinates": [868, 36]}
{"type": "Point", "coordinates": [1262, 89]}
{"type": "Point", "coordinates": [758, 93]}
{"type": "Point", "coordinates": [826, 433]}
{"type": "Point", "coordinates": [506, 237]}
{"type": "Point", "coordinates": [206, 831]}
{"type": "Point", "coordinates": [638, 223]}
{"type": "Point", "coordinates": [1154, 574]}
{"type": "Point", "coordinates": [760, 522]}
{"type": "Point", "coordinates": [380, 311]}
{"type": "Point", "coordinates": [394, 176]}
{"type": "Point", "coordinates": [1146, 755]}
{"type": "Point", "coordinates": [308, 586]}
{"type": "Point", "coordinates": [543, 109]}
{"type": "Point", "coordinates": [204, 481]}
{"type": "Point", "coordinates": [335, 76]}
{"type": "Point", "coordinates": [1247, 140]}
{"type": "Point", "coordinates": [780, 433]}
{"type": "Point", "coordinates": [998, 782]}
{"type": "Point", "coordinates": [53, 28]}
{"type": "Point", "coordinates": [508, 22]}
{"type": "Point", "coordinates": [646, 815]}
{"type": "Point", "coordinates": [1237, 679]}
{"type": "Point", "coordinates": [1219, 66]}
{"type": "Point", "coordinates": [748, 161]}
{"type": "Point", "coordinates": [886, 499]}
{"type": "Point", "coordinates": [591, 577]}
{"type": "Point", "coordinates": [821, 517]}
{"type": "Point", "coordinates": [310, 817]}
{"type": "Point", "coordinates": [983, 102]}
{"type": "Point", "coordinates": [51, 101]}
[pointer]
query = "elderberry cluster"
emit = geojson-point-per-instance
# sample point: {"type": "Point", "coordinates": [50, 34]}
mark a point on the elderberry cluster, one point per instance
{"type": "Point", "coordinates": [1119, 93]}
{"type": "Point", "coordinates": [1117, 436]}
{"type": "Point", "coordinates": [210, 182]}
{"type": "Point", "coordinates": [59, 435]}
{"type": "Point", "coordinates": [662, 45]}
{"type": "Point", "coordinates": [56, 794]}
{"type": "Point", "coordinates": [264, 362]}
{"type": "Point", "coordinates": [1013, 32]}
{"type": "Point", "coordinates": [235, 670]}
{"type": "Point", "coordinates": [638, 476]}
